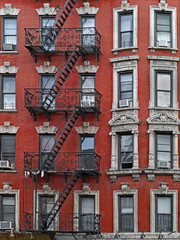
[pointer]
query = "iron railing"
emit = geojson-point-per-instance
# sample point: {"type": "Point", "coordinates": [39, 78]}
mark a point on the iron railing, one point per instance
{"type": "Point", "coordinates": [84, 37]}
{"type": "Point", "coordinates": [64, 162]}
{"type": "Point", "coordinates": [84, 98]}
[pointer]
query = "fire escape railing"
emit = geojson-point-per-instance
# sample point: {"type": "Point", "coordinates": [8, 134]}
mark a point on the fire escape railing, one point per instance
{"type": "Point", "coordinates": [87, 38]}
{"type": "Point", "coordinates": [88, 98]}
{"type": "Point", "coordinates": [65, 161]}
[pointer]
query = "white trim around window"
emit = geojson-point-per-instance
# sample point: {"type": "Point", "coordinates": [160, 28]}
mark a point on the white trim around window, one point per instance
{"type": "Point", "coordinates": [116, 13]}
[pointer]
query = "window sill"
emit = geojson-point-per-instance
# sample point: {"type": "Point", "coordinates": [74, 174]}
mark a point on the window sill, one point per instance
{"type": "Point", "coordinates": [135, 173]}
{"type": "Point", "coordinates": [116, 50]}
{"type": "Point", "coordinates": [163, 108]}
{"type": "Point", "coordinates": [8, 110]}
{"type": "Point", "coordinates": [8, 52]}
{"type": "Point", "coordinates": [124, 109]}
{"type": "Point", "coordinates": [175, 173]}
{"type": "Point", "coordinates": [8, 171]}
{"type": "Point", "coordinates": [153, 49]}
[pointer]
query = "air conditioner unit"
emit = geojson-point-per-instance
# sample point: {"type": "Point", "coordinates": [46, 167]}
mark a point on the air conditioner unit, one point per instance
{"type": "Point", "coordinates": [8, 47]}
{"type": "Point", "coordinates": [124, 103]}
{"type": "Point", "coordinates": [163, 43]}
{"type": "Point", "coordinates": [163, 164]}
{"type": "Point", "coordinates": [5, 164]}
{"type": "Point", "coordinates": [5, 225]}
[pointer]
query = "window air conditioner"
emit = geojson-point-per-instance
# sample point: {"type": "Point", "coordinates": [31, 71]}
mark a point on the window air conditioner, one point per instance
{"type": "Point", "coordinates": [6, 225]}
{"type": "Point", "coordinates": [8, 47]}
{"type": "Point", "coordinates": [163, 164]}
{"type": "Point", "coordinates": [163, 43]}
{"type": "Point", "coordinates": [124, 103]}
{"type": "Point", "coordinates": [5, 164]}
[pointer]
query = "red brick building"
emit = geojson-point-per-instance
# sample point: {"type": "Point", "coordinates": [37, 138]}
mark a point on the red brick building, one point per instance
{"type": "Point", "coordinates": [89, 119]}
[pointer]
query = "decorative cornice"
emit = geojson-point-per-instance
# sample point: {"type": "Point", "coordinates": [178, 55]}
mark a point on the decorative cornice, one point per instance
{"type": "Point", "coordinates": [6, 128]}
{"type": "Point", "coordinates": [86, 129]}
{"type": "Point", "coordinates": [87, 9]}
{"type": "Point", "coordinates": [46, 68]}
{"type": "Point", "coordinates": [125, 119]}
{"type": "Point", "coordinates": [87, 69]}
{"type": "Point", "coordinates": [8, 10]}
{"type": "Point", "coordinates": [163, 5]}
{"type": "Point", "coordinates": [46, 129]}
{"type": "Point", "coordinates": [163, 187]}
{"type": "Point", "coordinates": [125, 58]}
{"type": "Point", "coordinates": [8, 69]}
{"type": "Point", "coordinates": [163, 118]}
{"type": "Point", "coordinates": [163, 58]}
{"type": "Point", "coordinates": [47, 10]}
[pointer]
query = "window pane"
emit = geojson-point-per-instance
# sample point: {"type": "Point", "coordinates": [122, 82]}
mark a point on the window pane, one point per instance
{"type": "Point", "coordinates": [48, 81]}
{"type": "Point", "coordinates": [8, 148]}
{"type": "Point", "coordinates": [126, 205]}
{"type": "Point", "coordinates": [126, 39]}
{"type": "Point", "coordinates": [10, 26]}
{"type": "Point", "coordinates": [87, 22]}
{"type": "Point", "coordinates": [87, 205]}
{"type": "Point", "coordinates": [48, 22]}
{"type": "Point", "coordinates": [10, 40]}
{"type": "Point", "coordinates": [164, 99]}
{"type": "Point", "coordinates": [126, 143]}
{"type": "Point", "coordinates": [87, 144]}
{"type": "Point", "coordinates": [164, 142]}
{"type": "Point", "coordinates": [163, 21]}
{"type": "Point", "coordinates": [88, 81]}
{"type": "Point", "coordinates": [9, 101]}
{"type": "Point", "coordinates": [164, 205]}
{"type": "Point", "coordinates": [9, 84]}
{"type": "Point", "coordinates": [164, 156]}
{"type": "Point", "coordinates": [163, 81]}
{"type": "Point", "coordinates": [126, 23]}
{"type": "Point", "coordinates": [46, 142]}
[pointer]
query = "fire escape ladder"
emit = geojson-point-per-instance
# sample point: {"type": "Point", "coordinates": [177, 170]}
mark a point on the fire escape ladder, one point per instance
{"type": "Point", "coordinates": [61, 199]}
{"type": "Point", "coordinates": [60, 20]}
{"type": "Point", "coordinates": [49, 161]}
{"type": "Point", "coordinates": [62, 77]}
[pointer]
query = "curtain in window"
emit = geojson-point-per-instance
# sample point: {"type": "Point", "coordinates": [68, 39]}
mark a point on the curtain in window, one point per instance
{"type": "Point", "coordinates": [164, 221]}
{"type": "Point", "coordinates": [126, 220]}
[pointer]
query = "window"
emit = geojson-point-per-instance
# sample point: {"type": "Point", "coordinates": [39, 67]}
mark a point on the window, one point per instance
{"type": "Point", "coordinates": [125, 30]}
{"type": "Point", "coordinates": [88, 90]}
{"type": "Point", "coordinates": [8, 147]}
{"type": "Point", "coordinates": [88, 25]}
{"type": "Point", "coordinates": [126, 214]}
{"type": "Point", "coordinates": [9, 33]}
{"type": "Point", "coordinates": [87, 213]}
{"type": "Point", "coordinates": [164, 214]}
{"type": "Point", "coordinates": [46, 144]}
{"type": "Point", "coordinates": [45, 205]}
{"type": "Point", "coordinates": [126, 151]}
{"type": "Point", "coordinates": [7, 210]}
{"type": "Point", "coordinates": [47, 24]}
{"type": "Point", "coordinates": [163, 86]}
{"type": "Point", "coordinates": [8, 90]}
{"type": "Point", "coordinates": [87, 150]}
{"type": "Point", "coordinates": [163, 30]}
{"type": "Point", "coordinates": [47, 82]}
{"type": "Point", "coordinates": [164, 150]}
{"type": "Point", "coordinates": [126, 89]}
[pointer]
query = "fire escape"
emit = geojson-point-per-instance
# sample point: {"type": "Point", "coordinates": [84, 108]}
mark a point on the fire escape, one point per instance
{"type": "Point", "coordinates": [74, 103]}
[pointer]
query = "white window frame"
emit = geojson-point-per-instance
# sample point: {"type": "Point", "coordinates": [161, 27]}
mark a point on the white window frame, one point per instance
{"type": "Point", "coordinates": [163, 63]}
{"type": "Point", "coordinates": [16, 193]}
{"type": "Point", "coordinates": [36, 197]}
{"type": "Point", "coordinates": [123, 65]}
{"type": "Point", "coordinates": [116, 13]}
{"type": "Point", "coordinates": [172, 10]}
{"type": "Point", "coordinates": [77, 195]}
{"type": "Point", "coordinates": [153, 194]}
{"type": "Point", "coordinates": [116, 195]}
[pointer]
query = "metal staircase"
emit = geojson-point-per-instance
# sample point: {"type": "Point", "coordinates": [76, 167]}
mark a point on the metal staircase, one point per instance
{"type": "Point", "coordinates": [48, 162]}
{"type": "Point", "coordinates": [77, 52]}
{"type": "Point", "coordinates": [60, 20]}
{"type": "Point", "coordinates": [61, 199]}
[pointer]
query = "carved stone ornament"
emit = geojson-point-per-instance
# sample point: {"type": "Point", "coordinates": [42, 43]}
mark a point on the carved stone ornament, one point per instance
{"type": "Point", "coordinates": [47, 10]}
{"type": "Point", "coordinates": [136, 177]}
{"type": "Point", "coordinates": [46, 187]}
{"type": "Point", "coordinates": [123, 119]}
{"type": "Point", "coordinates": [113, 178]}
{"type": "Point", "coordinates": [8, 69]}
{"type": "Point", "coordinates": [46, 68]}
{"type": "Point", "coordinates": [8, 129]}
{"type": "Point", "coordinates": [8, 10]}
{"type": "Point", "coordinates": [87, 9]}
{"type": "Point", "coordinates": [163, 118]}
{"type": "Point", "coordinates": [86, 129]}
{"type": "Point", "coordinates": [124, 187]}
{"type": "Point", "coordinates": [163, 5]}
{"type": "Point", "coordinates": [151, 177]}
{"type": "Point", "coordinates": [87, 69]}
{"type": "Point", "coordinates": [7, 187]}
{"type": "Point", "coordinates": [86, 188]}
{"type": "Point", "coordinates": [46, 129]}
{"type": "Point", "coordinates": [176, 177]}
{"type": "Point", "coordinates": [125, 4]}
{"type": "Point", "coordinates": [163, 187]}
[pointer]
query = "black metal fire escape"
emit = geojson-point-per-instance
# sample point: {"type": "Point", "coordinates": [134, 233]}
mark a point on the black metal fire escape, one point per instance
{"type": "Point", "coordinates": [47, 103]}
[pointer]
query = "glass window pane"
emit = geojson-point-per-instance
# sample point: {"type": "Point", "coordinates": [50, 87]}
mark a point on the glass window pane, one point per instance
{"type": "Point", "coordinates": [163, 99]}
{"type": "Point", "coordinates": [163, 81]}
{"type": "Point", "coordinates": [126, 143]}
{"type": "Point", "coordinates": [8, 200]}
{"type": "Point", "coordinates": [9, 101]}
{"type": "Point", "coordinates": [126, 23]}
{"type": "Point", "coordinates": [88, 81]}
{"type": "Point", "coordinates": [126, 205]}
{"type": "Point", "coordinates": [46, 142]}
{"type": "Point", "coordinates": [10, 40]}
{"type": "Point", "coordinates": [9, 84]}
{"type": "Point", "coordinates": [163, 19]}
{"type": "Point", "coordinates": [126, 39]}
{"type": "Point", "coordinates": [164, 142]}
{"type": "Point", "coordinates": [10, 26]}
{"type": "Point", "coordinates": [48, 22]}
{"type": "Point", "coordinates": [48, 81]}
{"type": "Point", "coordinates": [87, 205]}
{"type": "Point", "coordinates": [164, 156]}
{"type": "Point", "coordinates": [87, 144]}
{"type": "Point", "coordinates": [164, 205]}
{"type": "Point", "coordinates": [88, 22]}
